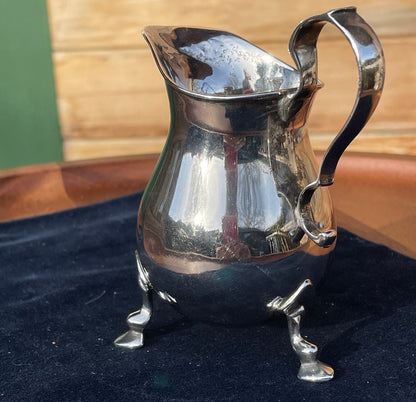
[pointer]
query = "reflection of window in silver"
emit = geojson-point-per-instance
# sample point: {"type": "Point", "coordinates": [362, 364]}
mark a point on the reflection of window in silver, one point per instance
{"type": "Point", "coordinates": [260, 204]}
{"type": "Point", "coordinates": [197, 175]}
{"type": "Point", "coordinates": [249, 69]}
{"type": "Point", "coordinates": [279, 242]}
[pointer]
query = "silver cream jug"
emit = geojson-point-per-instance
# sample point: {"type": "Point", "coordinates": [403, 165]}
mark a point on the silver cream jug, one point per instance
{"type": "Point", "coordinates": [236, 221]}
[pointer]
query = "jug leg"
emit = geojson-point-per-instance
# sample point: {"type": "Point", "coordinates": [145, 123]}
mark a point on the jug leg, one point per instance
{"type": "Point", "coordinates": [137, 321]}
{"type": "Point", "coordinates": [311, 369]}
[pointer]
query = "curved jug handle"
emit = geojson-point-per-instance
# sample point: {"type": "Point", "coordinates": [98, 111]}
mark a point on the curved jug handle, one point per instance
{"type": "Point", "coordinates": [370, 60]}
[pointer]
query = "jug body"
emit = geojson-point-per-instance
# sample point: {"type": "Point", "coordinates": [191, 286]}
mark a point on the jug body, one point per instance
{"type": "Point", "coordinates": [236, 222]}
{"type": "Point", "coordinates": [218, 232]}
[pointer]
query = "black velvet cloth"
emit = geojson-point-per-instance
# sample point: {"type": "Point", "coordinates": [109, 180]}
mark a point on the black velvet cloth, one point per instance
{"type": "Point", "coordinates": [68, 280]}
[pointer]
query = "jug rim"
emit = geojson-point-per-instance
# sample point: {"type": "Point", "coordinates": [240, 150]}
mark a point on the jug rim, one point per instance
{"type": "Point", "coordinates": [153, 36]}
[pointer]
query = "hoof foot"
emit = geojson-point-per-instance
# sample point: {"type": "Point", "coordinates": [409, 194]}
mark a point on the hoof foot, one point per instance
{"type": "Point", "coordinates": [130, 340]}
{"type": "Point", "coordinates": [315, 372]}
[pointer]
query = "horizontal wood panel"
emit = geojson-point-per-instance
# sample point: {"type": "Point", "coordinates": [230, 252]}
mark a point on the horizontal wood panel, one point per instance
{"type": "Point", "coordinates": [398, 143]}
{"type": "Point", "coordinates": [106, 71]}
{"type": "Point", "coordinates": [111, 96]}
{"type": "Point", "coordinates": [76, 149]}
{"type": "Point", "coordinates": [115, 115]}
{"type": "Point", "coordinates": [122, 94]}
{"type": "Point", "coordinates": [98, 24]}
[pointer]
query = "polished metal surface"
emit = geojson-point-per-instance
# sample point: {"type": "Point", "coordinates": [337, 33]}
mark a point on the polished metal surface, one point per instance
{"type": "Point", "coordinates": [236, 214]}
{"type": "Point", "coordinates": [215, 64]}
{"type": "Point", "coordinates": [219, 214]}
{"type": "Point", "coordinates": [137, 321]}
{"type": "Point", "coordinates": [311, 369]}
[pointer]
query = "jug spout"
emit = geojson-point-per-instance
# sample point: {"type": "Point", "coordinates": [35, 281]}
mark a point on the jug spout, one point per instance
{"type": "Point", "coordinates": [217, 64]}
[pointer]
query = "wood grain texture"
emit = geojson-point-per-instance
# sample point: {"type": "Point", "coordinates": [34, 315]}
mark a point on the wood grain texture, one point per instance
{"type": "Point", "coordinates": [121, 93]}
{"type": "Point", "coordinates": [75, 149]}
{"type": "Point", "coordinates": [109, 24]}
{"type": "Point", "coordinates": [111, 96]}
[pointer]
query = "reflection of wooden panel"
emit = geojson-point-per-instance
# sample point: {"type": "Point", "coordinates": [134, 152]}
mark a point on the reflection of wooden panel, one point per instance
{"type": "Point", "coordinates": [103, 24]}
{"type": "Point", "coordinates": [112, 99]}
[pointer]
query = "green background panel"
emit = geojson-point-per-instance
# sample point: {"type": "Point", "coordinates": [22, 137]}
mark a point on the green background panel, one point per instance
{"type": "Point", "coordinates": [29, 128]}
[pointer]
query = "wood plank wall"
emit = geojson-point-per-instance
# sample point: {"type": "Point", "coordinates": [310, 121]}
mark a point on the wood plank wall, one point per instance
{"type": "Point", "coordinates": [112, 100]}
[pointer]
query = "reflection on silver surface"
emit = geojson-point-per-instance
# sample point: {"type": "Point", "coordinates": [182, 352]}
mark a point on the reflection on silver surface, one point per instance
{"type": "Point", "coordinates": [217, 63]}
{"type": "Point", "coordinates": [236, 214]}
{"type": "Point", "coordinates": [212, 192]}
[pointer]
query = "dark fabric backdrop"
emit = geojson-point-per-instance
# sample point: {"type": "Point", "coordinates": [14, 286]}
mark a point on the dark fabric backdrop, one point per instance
{"type": "Point", "coordinates": [68, 280]}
